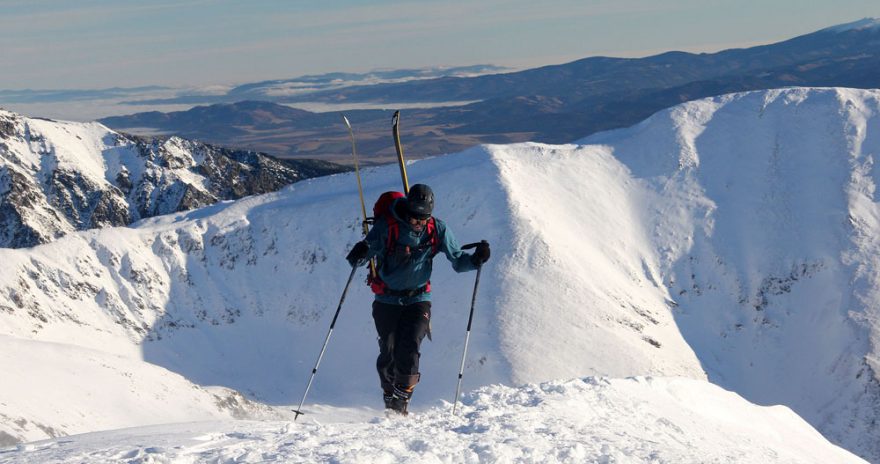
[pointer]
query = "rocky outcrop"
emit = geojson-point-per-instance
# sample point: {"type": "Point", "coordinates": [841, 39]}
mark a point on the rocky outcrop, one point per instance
{"type": "Point", "coordinates": [56, 177]}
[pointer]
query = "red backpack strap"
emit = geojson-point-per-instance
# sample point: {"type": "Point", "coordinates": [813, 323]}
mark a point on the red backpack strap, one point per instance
{"type": "Point", "coordinates": [393, 234]}
{"type": "Point", "coordinates": [434, 236]}
{"type": "Point", "coordinates": [376, 284]}
{"type": "Point", "coordinates": [435, 245]}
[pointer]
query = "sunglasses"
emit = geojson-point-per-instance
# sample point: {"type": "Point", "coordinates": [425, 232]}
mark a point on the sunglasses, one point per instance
{"type": "Point", "coordinates": [414, 221]}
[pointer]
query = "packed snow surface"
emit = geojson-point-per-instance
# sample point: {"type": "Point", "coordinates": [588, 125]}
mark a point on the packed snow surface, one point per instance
{"type": "Point", "coordinates": [657, 420]}
{"type": "Point", "coordinates": [56, 389]}
{"type": "Point", "coordinates": [734, 239]}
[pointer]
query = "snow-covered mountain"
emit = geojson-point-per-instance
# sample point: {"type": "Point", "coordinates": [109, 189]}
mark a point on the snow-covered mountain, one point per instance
{"type": "Point", "coordinates": [860, 25]}
{"type": "Point", "coordinates": [764, 224]}
{"type": "Point", "coordinates": [56, 177]}
{"type": "Point", "coordinates": [732, 239]}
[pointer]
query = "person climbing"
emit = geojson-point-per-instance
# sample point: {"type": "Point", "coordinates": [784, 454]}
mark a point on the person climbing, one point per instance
{"type": "Point", "coordinates": [404, 241]}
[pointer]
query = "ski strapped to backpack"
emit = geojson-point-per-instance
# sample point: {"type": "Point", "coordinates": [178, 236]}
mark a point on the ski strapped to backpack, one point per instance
{"type": "Point", "coordinates": [357, 171]}
{"type": "Point", "coordinates": [382, 209]}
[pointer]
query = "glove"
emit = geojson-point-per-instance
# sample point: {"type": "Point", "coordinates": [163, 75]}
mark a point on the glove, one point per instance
{"type": "Point", "coordinates": [481, 254]}
{"type": "Point", "coordinates": [357, 257]}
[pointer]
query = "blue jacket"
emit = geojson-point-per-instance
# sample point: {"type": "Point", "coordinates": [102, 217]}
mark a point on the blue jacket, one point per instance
{"type": "Point", "coordinates": [406, 271]}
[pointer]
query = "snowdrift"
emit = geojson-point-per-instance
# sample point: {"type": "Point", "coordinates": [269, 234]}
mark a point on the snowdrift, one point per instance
{"type": "Point", "coordinates": [577, 421]}
{"type": "Point", "coordinates": [55, 390]}
{"type": "Point", "coordinates": [732, 239]}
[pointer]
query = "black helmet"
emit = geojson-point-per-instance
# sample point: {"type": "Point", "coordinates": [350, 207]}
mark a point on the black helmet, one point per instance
{"type": "Point", "coordinates": [420, 201]}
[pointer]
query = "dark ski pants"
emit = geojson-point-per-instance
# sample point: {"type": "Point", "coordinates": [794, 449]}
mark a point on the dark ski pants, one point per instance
{"type": "Point", "coordinates": [401, 329]}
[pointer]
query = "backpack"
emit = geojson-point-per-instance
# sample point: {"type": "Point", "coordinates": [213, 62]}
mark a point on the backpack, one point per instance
{"type": "Point", "coordinates": [382, 209]}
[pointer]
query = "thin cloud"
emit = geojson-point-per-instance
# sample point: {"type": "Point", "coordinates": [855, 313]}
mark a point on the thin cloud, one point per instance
{"type": "Point", "coordinates": [454, 15]}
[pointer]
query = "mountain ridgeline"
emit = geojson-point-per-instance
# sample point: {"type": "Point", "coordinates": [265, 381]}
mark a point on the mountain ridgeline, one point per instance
{"type": "Point", "coordinates": [57, 177]}
{"type": "Point", "coordinates": [552, 104]}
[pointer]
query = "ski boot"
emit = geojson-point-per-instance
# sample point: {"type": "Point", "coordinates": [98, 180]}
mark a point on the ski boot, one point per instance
{"type": "Point", "coordinates": [399, 399]}
{"type": "Point", "coordinates": [388, 398]}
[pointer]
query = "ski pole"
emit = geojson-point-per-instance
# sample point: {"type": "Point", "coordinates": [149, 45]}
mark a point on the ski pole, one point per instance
{"type": "Point", "coordinates": [298, 411]}
{"type": "Point", "coordinates": [467, 336]}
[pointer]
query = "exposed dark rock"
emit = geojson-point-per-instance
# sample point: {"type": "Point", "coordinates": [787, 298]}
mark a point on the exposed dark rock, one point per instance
{"type": "Point", "coordinates": [142, 178]}
{"type": "Point", "coordinates": [8, 440]}
{"type": "Point", "coordinates": [85, 203]}
{"type": "Point", "coordinates": [7, 128]}
{"type": "Point", "coordinates": [123, 181]}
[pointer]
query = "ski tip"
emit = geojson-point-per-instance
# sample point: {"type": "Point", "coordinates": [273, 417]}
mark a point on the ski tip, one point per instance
{"type": "Point", "coordinates": [346, 121]}
{"type": "Point", "coordinates": [395, 118]}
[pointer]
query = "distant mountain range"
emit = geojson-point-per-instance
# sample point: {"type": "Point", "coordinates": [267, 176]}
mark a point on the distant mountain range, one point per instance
{"type": "Point", "coordinates": [553, 104]}
{"type": "Point", "coordinates": [290, 89]}
{"type": "Point", "coordinates": [270, 89]}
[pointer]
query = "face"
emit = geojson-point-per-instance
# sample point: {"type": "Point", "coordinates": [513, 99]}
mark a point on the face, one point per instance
{"type": "Point", "coordinates": [417, 224]}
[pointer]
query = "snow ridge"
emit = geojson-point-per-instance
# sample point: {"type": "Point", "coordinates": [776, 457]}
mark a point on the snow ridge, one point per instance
{"type": "Point", "coordinates": [862, 24]}
{"type": "Point", "coordinates": [769, 246]}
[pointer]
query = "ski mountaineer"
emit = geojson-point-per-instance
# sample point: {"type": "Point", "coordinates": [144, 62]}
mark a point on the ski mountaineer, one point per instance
{"type": "Point", "coordinates": [402, 306]}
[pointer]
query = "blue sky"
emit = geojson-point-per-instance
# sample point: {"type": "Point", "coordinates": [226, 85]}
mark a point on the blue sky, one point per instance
{"type": "Point", "coordinates": [90, 44]}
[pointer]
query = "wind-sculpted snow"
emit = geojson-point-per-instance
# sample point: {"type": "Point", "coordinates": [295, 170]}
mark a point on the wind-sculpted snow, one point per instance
{"type": "Point", "coordinates": [59, 389]}
{"type": "Point", "coordinates": [732, 240]}
{"type": "Point", "coordinates": [585, 420]}
{"type": "Point", "coordinates": [765, 225]}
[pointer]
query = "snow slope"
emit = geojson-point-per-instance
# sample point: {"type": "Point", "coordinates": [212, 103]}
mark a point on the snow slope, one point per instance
{"type": "Point", "coordinates": [55, 390]}
{"type": "Point", "coordinates": [766, 225]}
{"type": "Point", "coordinates": [587, 420]}
{"type": "Point", "coordinates": [731, 239]}
{"type": "Point", "coordinates": [193, 290]}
